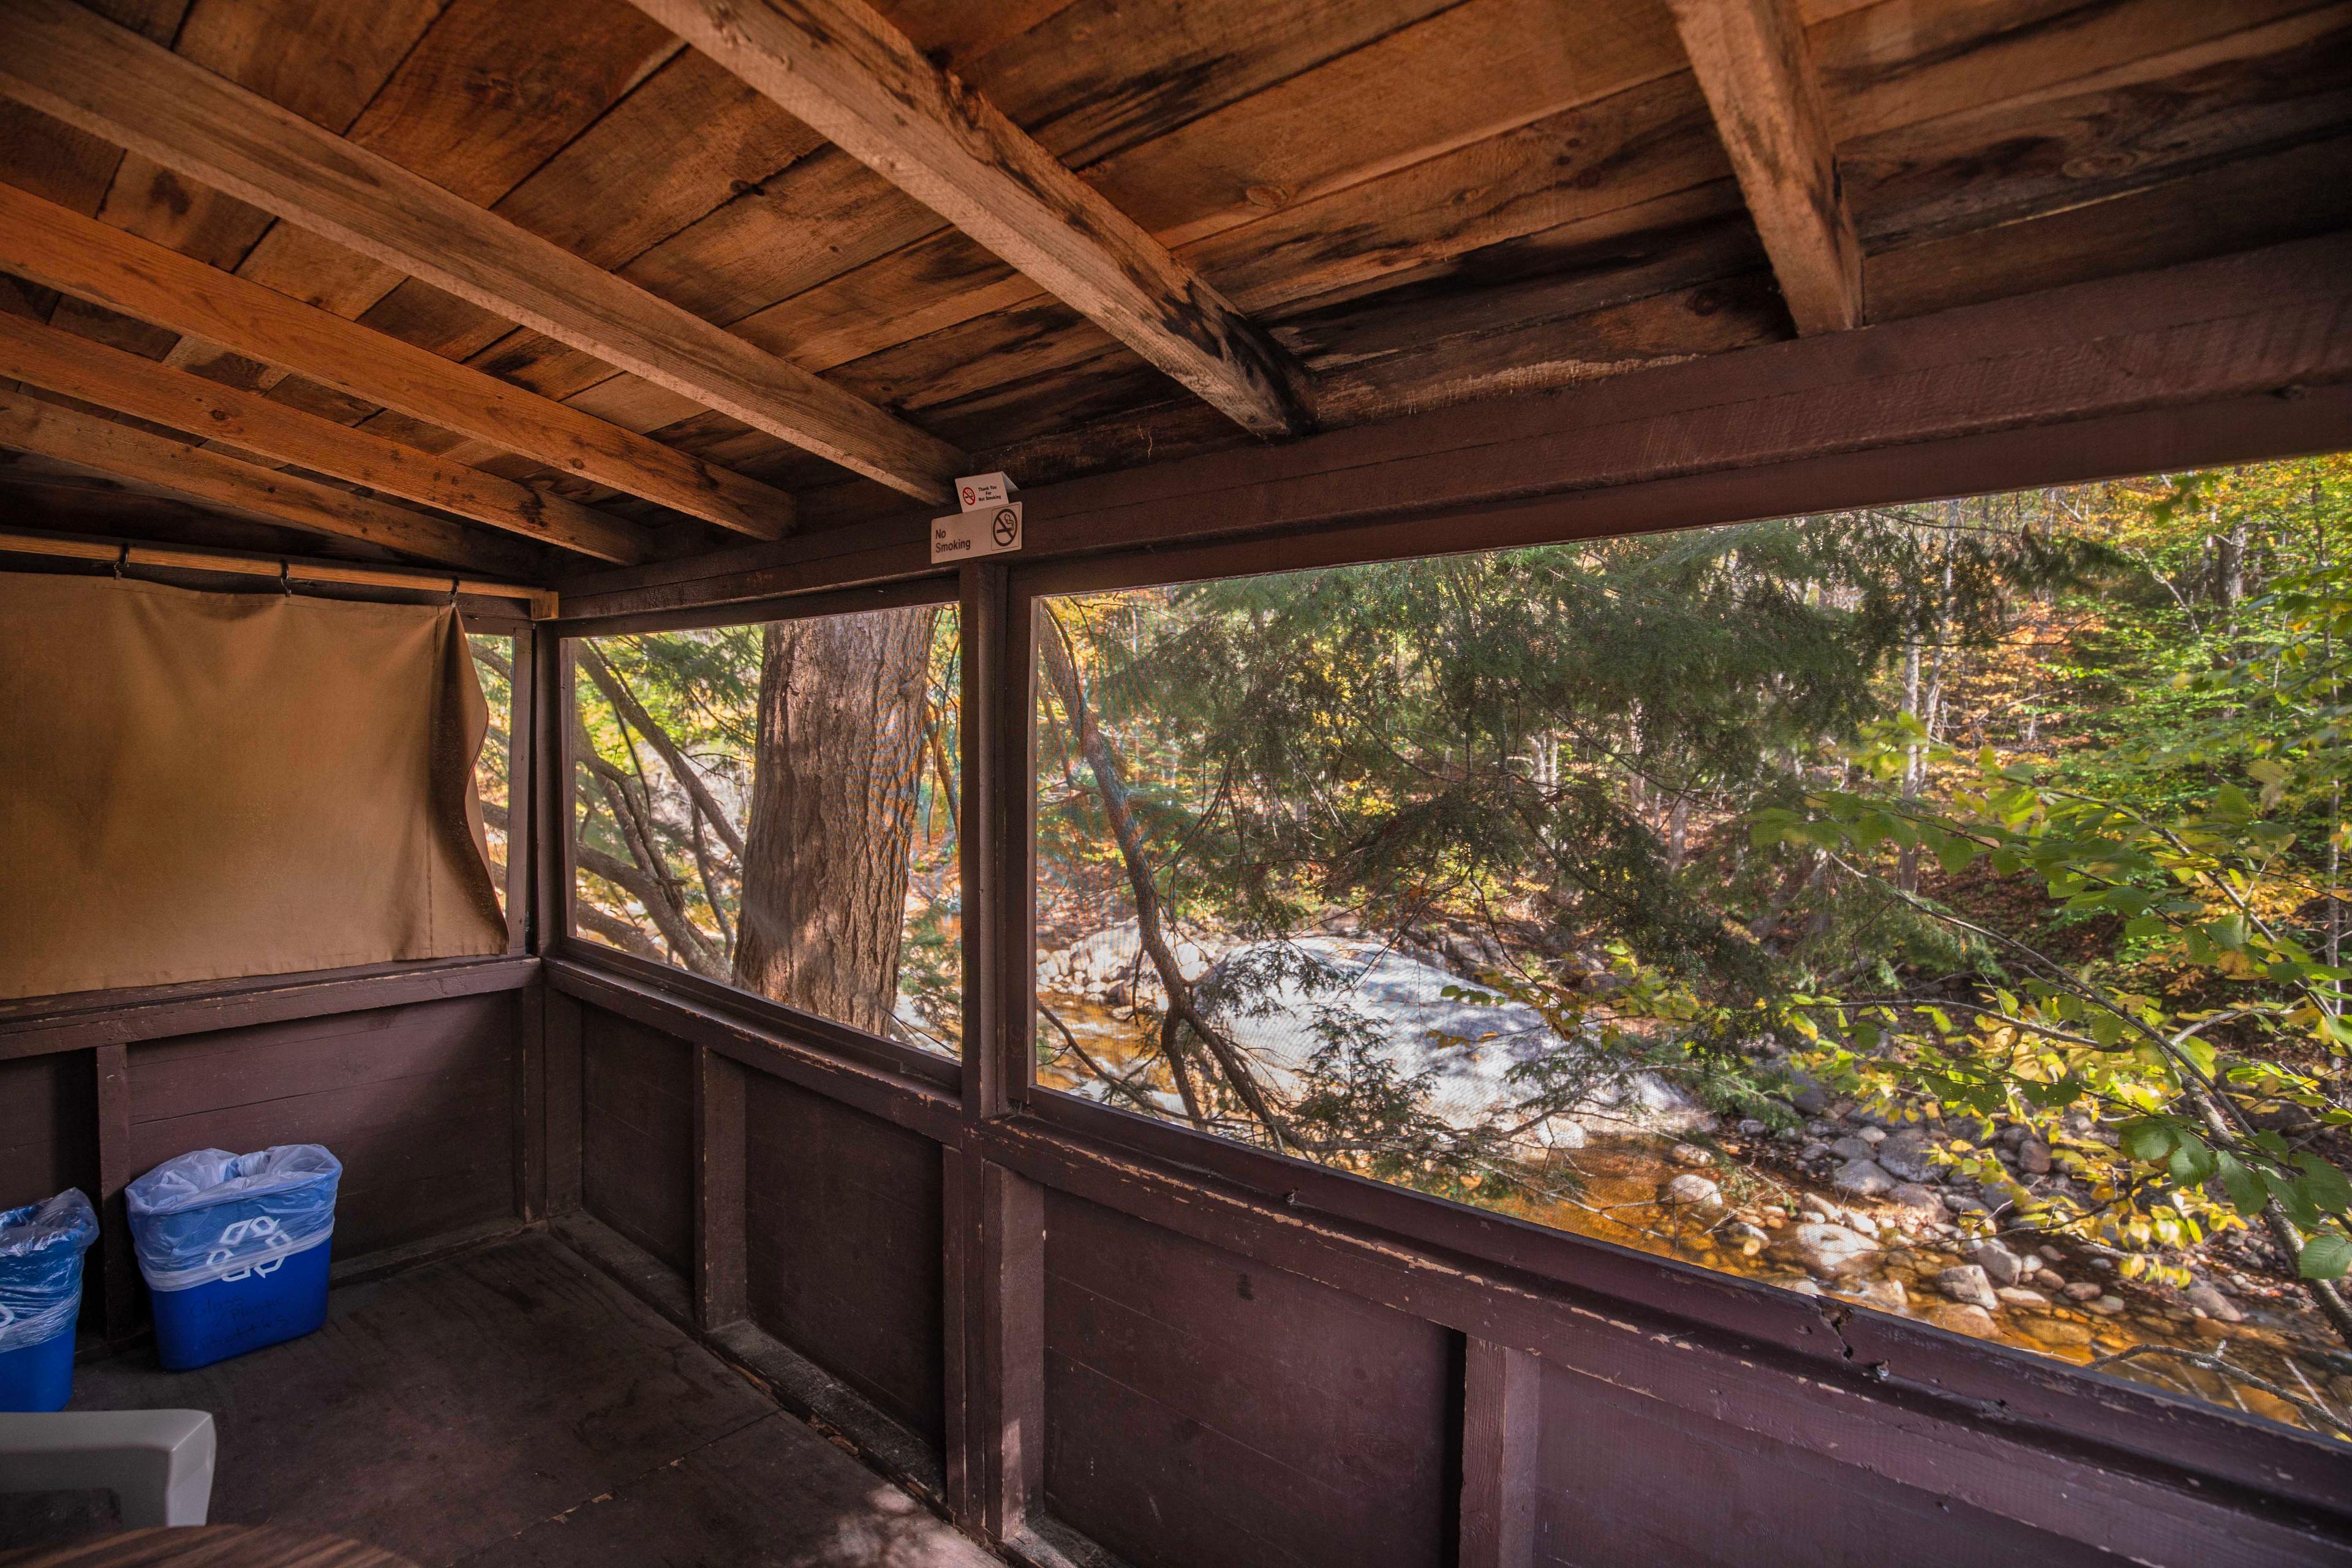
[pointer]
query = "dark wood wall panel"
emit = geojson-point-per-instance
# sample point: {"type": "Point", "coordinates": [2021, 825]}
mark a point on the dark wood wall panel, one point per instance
{"type": "Point", "coordinates": [636, 1135]}
{"type": "Point", "coordinates": [48, 1133]}
{"type": "Point", "coordinates": [1204, 1408]}
{"type": "Point", "coordinates": [1629, 1481]}
{"type": "Point", "coordinates": [843, 1211]}
{"type": "Point", "coordinates": [415, 1101]}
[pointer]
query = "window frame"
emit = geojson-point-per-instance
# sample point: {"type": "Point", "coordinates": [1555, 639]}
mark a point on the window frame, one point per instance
{"type": "Point", "coordinates": [1507, 1250]}
{"type": "Point", "coordinates": [565, 941]}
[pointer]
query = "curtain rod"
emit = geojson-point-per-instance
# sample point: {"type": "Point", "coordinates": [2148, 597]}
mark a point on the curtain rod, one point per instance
{"type": "Point", "coordinates": [542, 601]}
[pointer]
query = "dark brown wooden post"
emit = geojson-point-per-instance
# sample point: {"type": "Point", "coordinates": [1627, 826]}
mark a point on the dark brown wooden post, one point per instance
{"type": "Point", "coordinates": [996, 1365]}
{"type": "Point", "coordinates": [529, 1097]}
{"type": "Point", "coordinates": [721, 1295]}
{"type": "Point", "coordinates": [559, 1046]}
{"type": "Point", "coordinates": [980, 605]}
{"type": "Point", "coordinates": [118, 1269]}
{"type": "Point", "coordinates": [1502, 1389]}
{"type": "Point", "coordinates": [550, 817]}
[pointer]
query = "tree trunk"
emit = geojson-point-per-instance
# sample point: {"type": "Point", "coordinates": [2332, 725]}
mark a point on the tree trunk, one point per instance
{"type": "Point", "coordinates": [833, 812]}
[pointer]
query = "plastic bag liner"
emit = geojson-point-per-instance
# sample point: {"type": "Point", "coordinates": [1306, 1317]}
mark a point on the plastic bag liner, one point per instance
{"type": "Point", "coordinates": [40, 1267]}
{"type": "Point", "coordinates": [214, 1215]}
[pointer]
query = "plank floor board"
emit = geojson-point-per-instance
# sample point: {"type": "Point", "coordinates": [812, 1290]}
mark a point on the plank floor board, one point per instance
{"type": "Point", "coordinates": [512, 1405]}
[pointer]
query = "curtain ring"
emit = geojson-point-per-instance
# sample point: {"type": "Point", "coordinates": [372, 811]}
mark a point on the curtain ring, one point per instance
{"type": "Point", "coordinates": [122, 560]}
{"type": "Point", "coordinates": [286, 578]}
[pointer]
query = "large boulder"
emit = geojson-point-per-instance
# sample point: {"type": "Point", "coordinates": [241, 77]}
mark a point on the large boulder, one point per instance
{"type": "Point", "coordinates": [1862, 1178]}
{"type": "Point", "coordinates": [1828, 1250]}
{"type": "Point", "coordinates": [1852, 1148]}
{"type": "Point", "coordinates": [1904, 1154]}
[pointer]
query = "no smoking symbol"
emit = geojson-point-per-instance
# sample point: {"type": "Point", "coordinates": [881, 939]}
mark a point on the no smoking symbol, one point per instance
{"type": "Point", "coordinates": [1007, 529]}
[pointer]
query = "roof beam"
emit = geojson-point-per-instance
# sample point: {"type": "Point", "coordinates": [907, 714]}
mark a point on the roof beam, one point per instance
{"type": "Point", "coordinates": [1752, 62]}
{"type": "Point", "coordinates": [862, 85]}
{"type": "Point", "coordinates": [29, 425]}
{"type": "Point", "coordinates": [93, 373]}
{"type": "Point", "coordinates": [61, 250]}
{"type": "Point", "coordinates": [76, 67]}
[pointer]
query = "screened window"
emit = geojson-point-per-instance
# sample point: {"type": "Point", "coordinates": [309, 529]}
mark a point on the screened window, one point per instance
{"type": "Point", "coordinates": [1935, 907]}
{"type": "Point", "coordinates": [494, 665]}
{"type": "Point", "coordinates": [776, 808]}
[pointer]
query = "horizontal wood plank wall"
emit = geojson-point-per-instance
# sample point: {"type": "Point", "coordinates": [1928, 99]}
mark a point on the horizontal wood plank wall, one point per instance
{"type": "Point", "coordinates": [1202, 1408]}
{"type": "Point", "coordinates": [48, 1135]}
{"type": "Point", "coordinates": [637, 1135]}
{"type": "Point", "coordinates": [843, 1212]}
{"type": "Point", "coordinates": [416, 1103]}
{"type": "Point", "coordinates": [1628, 1479]}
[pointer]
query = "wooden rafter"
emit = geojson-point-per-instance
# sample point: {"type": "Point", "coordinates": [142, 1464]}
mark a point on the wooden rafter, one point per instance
{"type": "Point", "coordinates": [28, 424]}
{"type": "Point", "coordinates": [74, 65]}
{"type": "Point", "coordinates": [1752, 62]}
{"type": "Point", "coordinates": [93, 373]}
{"type": "Point", "coordinates": [61, 250]}
{"type": "Point", "coordinates": [862, 85]}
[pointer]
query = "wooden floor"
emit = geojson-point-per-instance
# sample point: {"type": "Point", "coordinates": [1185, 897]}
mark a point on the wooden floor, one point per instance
{"type": "Point", "coordinates": [513, 1406]}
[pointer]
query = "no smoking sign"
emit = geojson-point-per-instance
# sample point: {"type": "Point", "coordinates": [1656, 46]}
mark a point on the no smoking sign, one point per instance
{"type": "Point", "coordinates": [986, 531]}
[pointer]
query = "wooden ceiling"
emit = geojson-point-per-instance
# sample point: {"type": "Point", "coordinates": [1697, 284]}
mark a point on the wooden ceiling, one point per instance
{"type": "Point", "coordinates": [528, 286]}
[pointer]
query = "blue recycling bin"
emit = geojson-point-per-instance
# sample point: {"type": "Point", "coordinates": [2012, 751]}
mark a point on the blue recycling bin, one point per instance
{"type": "Point", "coordinates": [234, 1248]}
{"type": "Point", "coordinates": [41, 1247]}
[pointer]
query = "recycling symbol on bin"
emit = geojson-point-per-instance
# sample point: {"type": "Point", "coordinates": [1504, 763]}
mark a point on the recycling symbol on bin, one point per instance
{"type": "Point", "coordinates": [261, 1227]}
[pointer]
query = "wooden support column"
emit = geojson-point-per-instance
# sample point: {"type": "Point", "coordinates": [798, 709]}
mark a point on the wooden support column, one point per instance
{"type": "Point", "coordinates": [118, 1269]}
{"type": "Point", "coordinates": [995, 846]}
{"type": "Point", "coordinates": [560, 1047]}
{"type": "Point", "coordinates": [530, 1100]}
{"type": "Point", "coordinates": [996, 1345]}
{"type": "Point", "coordinates": [721, 1294]}
{"type": "Point", "coordinates": [1501, 1397]}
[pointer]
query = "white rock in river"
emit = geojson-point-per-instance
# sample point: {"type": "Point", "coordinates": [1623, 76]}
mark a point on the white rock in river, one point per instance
{"type": "Point", "coordinates": [1692, 1191]}
{"type": "Point", "coordinates": [1862, 1178]}
{"type": "Point", "coordinates": [1828, 1249]}
{"type": "Point", "coordinates": [1468, 1049]}
{"type": "Point", "coordinates": [1918, 1199]}
{"type": "Point", "coordinates": [1998, 1261]}
{"type": "Point", "coordinates": [1887, 1295]}
{"type": "Point", "coordinates": [2019, 1295]}
{"type": "Point", "coordinates": [1966, 1283]}
{"type": "Point", "coordinates": [2214, 1304]}
{"type": "Point", "coordinates": [1691, 1154]}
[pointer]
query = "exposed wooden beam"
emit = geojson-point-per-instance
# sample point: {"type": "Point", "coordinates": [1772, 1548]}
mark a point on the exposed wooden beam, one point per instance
{"type": "Point", "coordinates": [93, 373]}
{"type": "Point", "coordinates": [1752, 65]}
{"type": "Point", "coordinates": [61, 250]}
{"type": "Point", "coordinates": [76, 67]}
{"type": "Point", "coordinates": [29, 425]}
{"type": "Point", "coordinates": [841, 68]}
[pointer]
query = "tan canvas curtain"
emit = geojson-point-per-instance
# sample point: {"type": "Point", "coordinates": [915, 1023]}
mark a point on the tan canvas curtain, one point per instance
{"type": "Point", "coordinates": [194, 786]}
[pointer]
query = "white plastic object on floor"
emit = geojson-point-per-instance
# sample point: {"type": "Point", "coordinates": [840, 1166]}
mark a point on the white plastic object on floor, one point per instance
{"type": "Point", "coordinates": [157, 1463]}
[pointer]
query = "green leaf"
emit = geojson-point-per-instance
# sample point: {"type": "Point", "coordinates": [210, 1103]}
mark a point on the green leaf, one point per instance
{"type": "Point", "coordinates": [2139, 928]}
{"type": "Point", "coordinates": [2324, 1184]}
{"type": "Point", "coordinates": [2325, 1258]}
{"type": "Point", "coordinates": [2147, 1141]}
{"type": "Point", "coordinates": [1954, 855]}
{"type": "Point", "coordinates": [2247, 1194]}
{"type": "Point", "coordinates": [2191, 1162]}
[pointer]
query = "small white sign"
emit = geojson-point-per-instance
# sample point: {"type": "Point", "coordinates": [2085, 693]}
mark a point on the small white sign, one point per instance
{"type": "Point", "coordinates": [974, 491]}
{"type": "Point", "coordinates": [991, 530]}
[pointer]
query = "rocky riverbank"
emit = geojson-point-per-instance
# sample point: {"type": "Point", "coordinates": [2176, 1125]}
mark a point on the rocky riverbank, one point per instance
{"type": "Point", "coordinates": [1846, 1204]}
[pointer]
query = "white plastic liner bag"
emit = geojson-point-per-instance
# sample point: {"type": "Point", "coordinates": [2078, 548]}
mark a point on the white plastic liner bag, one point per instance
{"type": "Point", "coordinates": [215, 1216]}
{"type": "Point", "coordinates": [40, 1267]}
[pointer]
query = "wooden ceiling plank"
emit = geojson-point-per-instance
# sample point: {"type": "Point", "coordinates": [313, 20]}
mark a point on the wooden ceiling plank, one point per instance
{"type": "Point", "coordinates": [64, 362]}
{"type": "Point", "coordinates": [862, 85]}
{"type": "Point", "coordinates": [29, 425]}
{"type": "Point", "coordinates": [1752, 62]}
{"type": "Point", "coordinates": [78, 255]}
{"type": "Point", "coordinates": [81, 68]}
